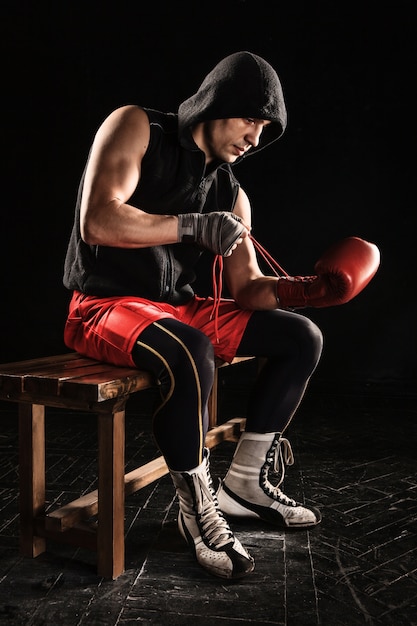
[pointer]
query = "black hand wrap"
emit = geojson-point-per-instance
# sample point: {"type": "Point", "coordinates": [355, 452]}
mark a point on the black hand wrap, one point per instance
{"type": "Point", "coordinates": [217, 231]}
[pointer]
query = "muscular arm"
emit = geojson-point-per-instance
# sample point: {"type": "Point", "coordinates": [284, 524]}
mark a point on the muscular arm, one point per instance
{"type": "Point", "coordinates": [112, 175]}
{"type": "Point", "coordinates": [247, 284]}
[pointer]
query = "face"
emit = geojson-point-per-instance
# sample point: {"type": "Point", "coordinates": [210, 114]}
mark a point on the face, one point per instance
{"type": "Point", "coordinates": [228, 139]}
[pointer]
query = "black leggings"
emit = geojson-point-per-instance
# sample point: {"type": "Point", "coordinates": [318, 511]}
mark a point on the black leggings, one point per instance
{"type": "Point", "coordinates": [182, 359]}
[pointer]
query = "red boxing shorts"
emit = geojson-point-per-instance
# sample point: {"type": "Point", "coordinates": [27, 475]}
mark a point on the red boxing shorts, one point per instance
{"type": "Point", "coordinates": [106, 329]}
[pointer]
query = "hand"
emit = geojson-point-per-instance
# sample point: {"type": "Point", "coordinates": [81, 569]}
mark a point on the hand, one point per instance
{"type": "Point", "coordinates": [342, 272]}
{"type": "Point", "coordinates": [219, 231]}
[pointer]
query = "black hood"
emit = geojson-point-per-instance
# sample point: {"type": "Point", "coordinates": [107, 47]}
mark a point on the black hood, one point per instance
{"type": "Point", "coordinates": [241, 85]}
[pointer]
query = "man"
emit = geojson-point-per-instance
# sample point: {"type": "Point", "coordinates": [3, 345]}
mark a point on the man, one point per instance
{"type": "Point", "coordinates": [158, 189]}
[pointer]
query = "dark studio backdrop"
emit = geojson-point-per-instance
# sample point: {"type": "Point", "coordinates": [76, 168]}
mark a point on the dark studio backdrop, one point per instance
{"type": "Point", "coordinates": [343, 167]}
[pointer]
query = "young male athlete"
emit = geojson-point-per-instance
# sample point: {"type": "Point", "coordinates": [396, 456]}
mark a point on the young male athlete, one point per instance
{"type": "Point", "coordinates": [158, 190]}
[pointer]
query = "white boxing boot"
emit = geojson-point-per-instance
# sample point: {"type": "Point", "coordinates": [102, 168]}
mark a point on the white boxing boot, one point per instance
{"type": "Point", "coordinates": [204, 527]}
{"type": "Point", "coordinates": [247, 490]}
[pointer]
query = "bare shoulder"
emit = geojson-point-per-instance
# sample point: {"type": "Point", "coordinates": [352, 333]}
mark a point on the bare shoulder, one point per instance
{"type": "Point", "coordinates": [127, 125]}
{"type": "Point", "coordinates": [127, 116]}
{"type": "Point", "coordinates": [128, 113]}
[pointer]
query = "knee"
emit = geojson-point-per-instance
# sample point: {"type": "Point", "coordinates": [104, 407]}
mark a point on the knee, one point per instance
{"type": "Point", "coordinates": [175, 353]}
{"type": "Point", "coordinates": [193, 354]}
{"type": "Point", "coordinates": [311, 337]}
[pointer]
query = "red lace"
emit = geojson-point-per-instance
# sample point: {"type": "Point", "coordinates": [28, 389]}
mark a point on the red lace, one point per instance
{"type": "Point", "coordinates": [217, 278]}
{"type": "Point", "coordinates": [273, 264]}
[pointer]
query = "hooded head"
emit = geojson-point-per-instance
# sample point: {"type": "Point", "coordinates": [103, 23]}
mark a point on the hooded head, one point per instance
{"type": "Point", "coordinates": [241, 85]}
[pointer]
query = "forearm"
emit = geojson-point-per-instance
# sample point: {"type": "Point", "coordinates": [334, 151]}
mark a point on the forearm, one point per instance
{"type": "Point", "coordinates": [121, 225]}
{"type": "Point", "coordinates": [258, 294]}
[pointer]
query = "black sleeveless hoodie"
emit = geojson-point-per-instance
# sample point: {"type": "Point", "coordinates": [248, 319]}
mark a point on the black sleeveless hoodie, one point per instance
{"type": "Point", "coordinates": [174, 180]}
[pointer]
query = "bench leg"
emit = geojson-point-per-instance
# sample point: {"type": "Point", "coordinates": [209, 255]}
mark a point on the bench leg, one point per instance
{"type": "Point", "coordinates": [31, 476]}
{"type": "Point", "coordinates": [111, 494]}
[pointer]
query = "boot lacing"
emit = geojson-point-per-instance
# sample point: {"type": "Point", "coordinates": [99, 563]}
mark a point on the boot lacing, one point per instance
{"type": "Point", "coordinates": [214, 528]}
{"type": "Point", "coordinates": [278, 457]}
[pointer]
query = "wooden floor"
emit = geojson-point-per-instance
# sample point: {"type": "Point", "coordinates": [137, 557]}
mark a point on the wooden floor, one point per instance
{"type": "Point", "coordinates": [355, 458]}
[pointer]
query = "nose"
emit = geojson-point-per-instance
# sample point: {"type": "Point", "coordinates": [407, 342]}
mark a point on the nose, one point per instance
{"type": "Point", "coordinates": [254, 134]}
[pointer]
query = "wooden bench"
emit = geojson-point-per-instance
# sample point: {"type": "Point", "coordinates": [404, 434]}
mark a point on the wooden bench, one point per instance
{"type": "Point", "coordinates": [73, 382]}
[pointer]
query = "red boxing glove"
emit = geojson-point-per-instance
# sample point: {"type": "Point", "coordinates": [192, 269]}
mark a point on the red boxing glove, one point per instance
{"type": "Point", "coordinates": [342, 272]}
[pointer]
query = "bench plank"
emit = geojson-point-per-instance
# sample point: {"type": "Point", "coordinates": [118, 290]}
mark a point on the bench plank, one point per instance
{"type": "Point", "coordinates": [72, 377]}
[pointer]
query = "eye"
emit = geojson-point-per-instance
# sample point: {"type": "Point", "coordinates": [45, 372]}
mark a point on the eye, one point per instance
{"type": "Point", "coordinates": [250, 120]}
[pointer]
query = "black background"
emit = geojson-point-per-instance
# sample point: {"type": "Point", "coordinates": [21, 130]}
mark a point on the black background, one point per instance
{"type": "Point", "coordinates": [345, 165]}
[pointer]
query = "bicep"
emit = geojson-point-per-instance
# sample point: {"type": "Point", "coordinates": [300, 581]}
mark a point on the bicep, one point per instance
{"type": "Point", "coordinates": [241, 267]}
{"type": "Point", "coordinates": [113, 169]}
{"type": "Point", "coordinates": [242, 208]}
